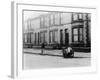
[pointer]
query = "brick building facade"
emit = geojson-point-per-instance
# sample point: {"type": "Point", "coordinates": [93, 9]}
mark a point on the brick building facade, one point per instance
{"type": "Point", "coordinates": [61, 28]}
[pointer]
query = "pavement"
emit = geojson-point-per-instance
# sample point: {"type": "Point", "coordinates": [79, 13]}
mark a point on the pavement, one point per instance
{"type": "Point", "coordinates": [56, 53]}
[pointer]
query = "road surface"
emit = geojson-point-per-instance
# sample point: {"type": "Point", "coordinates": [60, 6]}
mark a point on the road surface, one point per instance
{"type": "Point", "coordinates": [53, 59]}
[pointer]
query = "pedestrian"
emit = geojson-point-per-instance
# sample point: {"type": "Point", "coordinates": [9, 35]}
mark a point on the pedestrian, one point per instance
{"type": "Point", "coordinates": [42, 48]}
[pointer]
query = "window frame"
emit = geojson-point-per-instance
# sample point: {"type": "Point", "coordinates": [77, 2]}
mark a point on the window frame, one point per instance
{"type": "Point", "coordinates": [79, 16]}
{"type": "Point", "coordinates": [77, 27]}
{"type": "Point", "coordinates": [57, 15]}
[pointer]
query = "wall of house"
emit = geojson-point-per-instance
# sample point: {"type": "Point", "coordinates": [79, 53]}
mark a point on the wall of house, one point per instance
{"type": "Point", "coordinates": [49, 32]}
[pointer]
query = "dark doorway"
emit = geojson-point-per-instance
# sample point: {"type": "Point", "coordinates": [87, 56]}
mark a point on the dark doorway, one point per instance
{"type": "Point", "coordinates": [66, 37]}
{"type": "Point", "coordinates": [38, 38]}
{"type": "Point", "coordinates": [61, 37]}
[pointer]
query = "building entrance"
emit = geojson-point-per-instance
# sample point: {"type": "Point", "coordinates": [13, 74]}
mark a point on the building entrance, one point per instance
{"type": "Point", "coordinates": [66, 37]}
{"type": "Point", "coordinates": [61, 37]}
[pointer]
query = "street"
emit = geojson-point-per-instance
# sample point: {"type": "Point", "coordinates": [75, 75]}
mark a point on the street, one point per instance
{"type": "Point", "coordinates": [53, 59]}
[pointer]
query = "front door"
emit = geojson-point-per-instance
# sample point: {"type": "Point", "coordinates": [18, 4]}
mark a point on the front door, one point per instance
{"type": "Point", "coordinates": [66, 37]}
{"type": "Point", "coordinates": [61, 37]}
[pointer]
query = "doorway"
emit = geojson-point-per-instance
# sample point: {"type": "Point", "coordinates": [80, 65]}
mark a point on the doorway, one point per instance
{"type": "Point", "coordinates": [66, 37]}
{"type": "Point", "coordinates": [61, 37]}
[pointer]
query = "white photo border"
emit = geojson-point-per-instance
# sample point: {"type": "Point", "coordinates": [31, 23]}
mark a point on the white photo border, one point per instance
{"type": "Point", "coordinates": [17, 23]}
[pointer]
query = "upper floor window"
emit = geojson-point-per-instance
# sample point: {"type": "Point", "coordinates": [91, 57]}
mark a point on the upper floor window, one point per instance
{"type": "Point", "coordinates": [42, 21]}
{"type": "Point", "coordinates": [89, 16]}
{"type": "Point", "coordinates": [46, 21]}
{"type": "Point", "coordinates": [57, 18]}
{"type": "Point", "coordinates": [75, 16]}
{"type": "Point", "coordinates": [51, 19]}
{"type": "Point", "coordinates": [80, 15]}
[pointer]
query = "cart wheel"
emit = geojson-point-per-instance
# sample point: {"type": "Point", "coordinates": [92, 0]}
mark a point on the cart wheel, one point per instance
{"type": "Point", "coordinates": [65, 55]}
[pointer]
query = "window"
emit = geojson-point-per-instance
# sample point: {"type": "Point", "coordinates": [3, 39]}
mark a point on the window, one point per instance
{"type": "Point", "coordinates": [29, 37]}
{"type": "Point", "coordinates": [56, 35]}
{"type": "Point", "coordinates": [81, 34]}
{"type": "Point", "coordinates": [32, 40]}
{"type": "Point", "coordinates": [77, 34]}
{"type": "Point", "coordinates": [80, 15]}
{"type": "Point", "coordinates": [40, 37]}
{"type": "Point", "coordinates": [57, 19]}
{"type": "Point", "coordinates": [35, 38]}
{"type": "Point", "coordinates": [51, 36]}
{"type": "Point", "coordinates": [75, 16]}
{"type": "Point", "coordinates": [51, 20]}
{"type": "Point", "coordinates": [42, 21]}
{"type": "Point", "coordinates": [25, 38]}
{"type": "Point", "coordinates": [45, 36]}
{"type": "Point", "coordinates": [89, 16]}
{"type": "Point", "coordinates": [46, 21]}
{"type": "Point", "coordinates": [54, 39]}
{"type": "Point", "coordinates": [84, 16]}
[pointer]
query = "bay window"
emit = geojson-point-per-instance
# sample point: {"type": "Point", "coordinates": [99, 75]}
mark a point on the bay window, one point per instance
{"type": "Point", "coordinates": [80, 16]}
{"type": "Point", "coordinates": [77, 34]}
{"type": "Point", "coordinates": [75, 16]}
